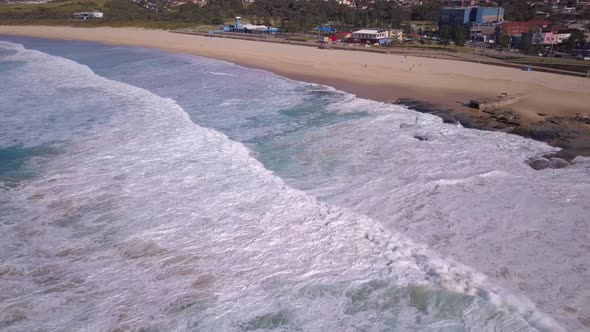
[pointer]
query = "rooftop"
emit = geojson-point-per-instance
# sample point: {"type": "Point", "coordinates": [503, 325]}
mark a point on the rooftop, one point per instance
{"type": "Point", "coordinates": [370, 31]}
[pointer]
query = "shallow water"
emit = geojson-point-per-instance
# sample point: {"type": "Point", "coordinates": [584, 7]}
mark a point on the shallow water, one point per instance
{"type": "Point", "coordinates": [142, 189]}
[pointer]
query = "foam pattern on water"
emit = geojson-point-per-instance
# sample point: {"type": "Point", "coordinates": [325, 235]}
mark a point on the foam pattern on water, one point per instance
{"type": "Point", "coordinates": [146, 220]}
{"type": "Point", "coordinates": [466, 193]}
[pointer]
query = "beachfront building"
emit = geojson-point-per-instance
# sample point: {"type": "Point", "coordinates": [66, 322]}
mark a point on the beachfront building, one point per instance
{"type": "Point", "coordinates": [550, 38]}
{"type": "Point", "coordinates": [247, 28]}
{"type": "Point", "coordinates": [518, 28]}
{"type": "Point", "coordinates": [470, 15]}
{"type": "Point", "coordinates": [370, 35]}
{"type": "Point", "coordinates": [482, 33]}
{"type": "Point", "coordinates": [88, 15]}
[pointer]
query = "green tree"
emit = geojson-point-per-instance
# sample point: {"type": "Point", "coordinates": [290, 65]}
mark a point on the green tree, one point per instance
{"type": "Point", "coordinates": [502, 40]}
{"type": "Point", "coordinates": [458, 35]}
{"type": "Point", "coordinates": [505, 41]}
{"type": "Point", "coordinates": [575, 40]}
{"type": "Point", "coordinates": [526, 43]}
{"type": "Point", "coordinates": [428, 11]}
{"type": "Point", "coordinates": [517, 10]}
{"type": "Point", "coordinates": [444, 35]}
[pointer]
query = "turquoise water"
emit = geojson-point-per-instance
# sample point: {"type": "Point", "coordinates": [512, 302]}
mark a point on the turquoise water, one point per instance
{"type": "Point", "coordinates": [148, 190]}
{"type": "Point", "coordinates": [14, 163]}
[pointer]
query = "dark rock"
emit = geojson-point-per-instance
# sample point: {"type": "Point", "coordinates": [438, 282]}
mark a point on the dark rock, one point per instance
{"type": "Point", "coordinates": [571, 133]}
{"type": "Point", "coordinates": [559, 163]}
{"type": "Point", "coordinates": [538, 163]}
{"type": "Point", "coordinates": [424, 107]}
{"type": "Point", "coordinates": [421, 138]}
{"type": "Point", "coordinates": [543, 134]}
{"type": "Point", "coordinates": [544, 163]}
{"type": "Point", "coordinates": [584, 118]}
{"type": "Point", "coordinates": [506, 117]}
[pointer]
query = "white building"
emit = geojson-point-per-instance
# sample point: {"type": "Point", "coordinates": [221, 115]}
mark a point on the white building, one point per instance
{"type": "Point", "coordinates": [253, 27]}
{"type": "Point", "coordinates": [87, 15]}
{"type": "Point", "coordinates": [550, 38]}
{"type": "Point", "coordinates": [372, 35]}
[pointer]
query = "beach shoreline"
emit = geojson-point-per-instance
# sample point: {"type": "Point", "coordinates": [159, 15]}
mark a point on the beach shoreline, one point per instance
{"type": "Point", "coordinates": [556, 105]}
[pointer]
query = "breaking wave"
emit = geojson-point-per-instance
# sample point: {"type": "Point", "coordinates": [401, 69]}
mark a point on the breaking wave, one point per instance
{"type": "Point", "coordinates": [143, 219]}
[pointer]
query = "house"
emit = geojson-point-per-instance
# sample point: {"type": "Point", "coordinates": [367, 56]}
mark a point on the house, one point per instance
{"type": "Point", "coordinates": [88, 15]}
{"type": "Point", "coordinates": [370, 35]}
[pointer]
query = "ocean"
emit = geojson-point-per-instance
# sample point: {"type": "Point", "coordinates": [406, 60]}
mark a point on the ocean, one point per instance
{"type": "Point", "coordinates": [149, 191]}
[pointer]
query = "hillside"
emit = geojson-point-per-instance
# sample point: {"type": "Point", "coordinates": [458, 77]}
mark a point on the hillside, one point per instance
{"type": "Point", "coordinates": [116, 13]}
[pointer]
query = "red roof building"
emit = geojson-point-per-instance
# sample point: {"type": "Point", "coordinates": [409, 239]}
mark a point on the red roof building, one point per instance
{"type": "Point", "coordinates": [518, 28]}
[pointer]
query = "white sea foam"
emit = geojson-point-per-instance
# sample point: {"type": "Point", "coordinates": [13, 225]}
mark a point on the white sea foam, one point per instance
{"type": "Point", "coordinates": [151, 221]}
{"type": "Point", "coordinates": [467, 193]}
{"type": "Point", "coordinates": [220, 74]}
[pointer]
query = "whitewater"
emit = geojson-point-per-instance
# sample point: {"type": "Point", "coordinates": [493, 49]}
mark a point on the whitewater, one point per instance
{"type": "Point", "coordinates": [141, 190]}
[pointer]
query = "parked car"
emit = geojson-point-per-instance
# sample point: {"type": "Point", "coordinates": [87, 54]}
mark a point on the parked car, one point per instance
{"type": "Point", "coordinates": [582, 57]}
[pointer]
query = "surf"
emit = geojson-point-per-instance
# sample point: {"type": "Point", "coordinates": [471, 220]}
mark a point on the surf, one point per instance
{"type": "Point", "coordinates": [145, 219]}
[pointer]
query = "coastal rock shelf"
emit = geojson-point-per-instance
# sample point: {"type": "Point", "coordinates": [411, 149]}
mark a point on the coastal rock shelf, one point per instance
{"type": "Point", "coordinates": [502, 100]}
{"type": "Point", "coordinates": [568, 133]}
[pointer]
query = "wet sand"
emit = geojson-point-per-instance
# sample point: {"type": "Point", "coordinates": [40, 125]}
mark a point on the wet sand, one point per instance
{"type": "Point", "coordinates": [553, 109]}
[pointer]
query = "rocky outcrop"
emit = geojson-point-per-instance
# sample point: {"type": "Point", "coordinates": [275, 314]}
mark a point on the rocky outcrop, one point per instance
{"type": "Point", "coordinates": [571, 134]}
{"type": "Point", "coordinates": [544, 163]}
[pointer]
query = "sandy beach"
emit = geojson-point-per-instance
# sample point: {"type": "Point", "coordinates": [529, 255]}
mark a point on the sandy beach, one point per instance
{"type": "Point", "coordinates": [550, 100]}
